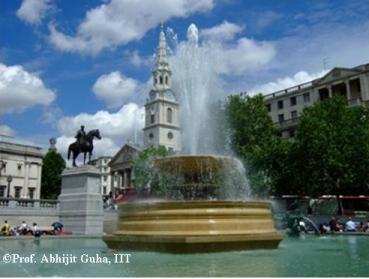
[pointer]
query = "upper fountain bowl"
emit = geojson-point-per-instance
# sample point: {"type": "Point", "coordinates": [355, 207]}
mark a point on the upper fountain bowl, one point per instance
{"type": "Point", "coordinates": [190, 165]}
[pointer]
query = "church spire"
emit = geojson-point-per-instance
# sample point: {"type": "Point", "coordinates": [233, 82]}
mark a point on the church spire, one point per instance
{"type": "Point", "coordinates": [162, 72]}
{"type": "Point", "coordinates": [161, 55]}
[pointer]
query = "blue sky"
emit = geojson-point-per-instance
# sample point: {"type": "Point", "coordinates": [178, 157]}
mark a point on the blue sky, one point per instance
{"type": "Point", "coordinates": [64, 63]}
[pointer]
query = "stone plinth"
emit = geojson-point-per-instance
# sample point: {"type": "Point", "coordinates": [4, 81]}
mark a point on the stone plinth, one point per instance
{"type": "Point", "coordinates": [81, 205]}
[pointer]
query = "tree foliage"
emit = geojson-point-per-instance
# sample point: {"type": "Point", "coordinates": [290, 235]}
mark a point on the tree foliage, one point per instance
{"type": "Point", "coordinates": [143, 167]}
{"type": "Point", "coordinates": [53, 165]}
{"type": "Point", "coordinates": [331, 152]}
{"type": "Point", "coordinates": [254, 138]}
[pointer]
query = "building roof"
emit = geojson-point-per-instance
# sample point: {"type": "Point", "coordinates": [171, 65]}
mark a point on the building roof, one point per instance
{"type": "Point", "coordinates": [334, 74]}
{"type": "Point", "coordinates": [13, 145]}
{"type": "Point", "coordinates": [125, 154]}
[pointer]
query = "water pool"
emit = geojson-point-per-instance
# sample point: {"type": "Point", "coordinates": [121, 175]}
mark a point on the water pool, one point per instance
{"type": "Point", "coordinates": [305, 256]}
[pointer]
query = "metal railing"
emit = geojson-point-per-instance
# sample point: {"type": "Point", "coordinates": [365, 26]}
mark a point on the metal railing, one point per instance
{"type": "Point", "coordinates": [28, 203]}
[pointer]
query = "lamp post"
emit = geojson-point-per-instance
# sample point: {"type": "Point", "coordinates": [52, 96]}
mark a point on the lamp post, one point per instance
{"type": "Point", "coordinates": [9, 179]}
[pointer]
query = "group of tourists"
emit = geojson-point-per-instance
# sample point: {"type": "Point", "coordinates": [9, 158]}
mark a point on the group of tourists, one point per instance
{"type": "Point", "coordinates": [26, 230]}
{"type": "Point", "coordinates": [335, 225]}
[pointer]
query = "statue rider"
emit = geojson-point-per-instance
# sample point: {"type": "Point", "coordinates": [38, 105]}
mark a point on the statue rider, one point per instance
{"type": "Point", "coordinates": [81, 135]}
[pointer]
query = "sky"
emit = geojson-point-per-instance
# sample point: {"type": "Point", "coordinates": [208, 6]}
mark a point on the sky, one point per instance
{"type": "Point", "coordinates": [66, 63]}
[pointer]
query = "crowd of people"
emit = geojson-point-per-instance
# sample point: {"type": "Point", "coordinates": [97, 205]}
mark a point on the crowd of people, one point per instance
{"type": "Point", "coordinates": [25, 229]}
{"type": "Point", "coordinates": [335, 225]}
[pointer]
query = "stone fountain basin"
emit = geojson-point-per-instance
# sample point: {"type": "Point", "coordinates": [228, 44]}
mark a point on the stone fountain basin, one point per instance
{"type": "Point", "coordinates": [194, 226]}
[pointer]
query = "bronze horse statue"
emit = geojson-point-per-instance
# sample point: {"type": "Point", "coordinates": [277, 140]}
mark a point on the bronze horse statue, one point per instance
{"type": "Point", "coordinates": [84, 146]}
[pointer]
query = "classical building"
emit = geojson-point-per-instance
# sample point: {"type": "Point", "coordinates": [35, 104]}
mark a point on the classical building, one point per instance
{"type": "Point", "coordinates": [121, 168]}
{"type": "Point", "coordinates": [102, 163]}
{"type": "Point", "coordinates": [20, 169]}
{"type": "Point", "coordinates": [286, 105]}
{"type": "Point", "coordinates": [161, 108]}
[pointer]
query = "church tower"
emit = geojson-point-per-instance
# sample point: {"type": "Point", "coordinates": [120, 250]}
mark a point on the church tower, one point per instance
{"type": "Point", "coordinates": [161, 108]}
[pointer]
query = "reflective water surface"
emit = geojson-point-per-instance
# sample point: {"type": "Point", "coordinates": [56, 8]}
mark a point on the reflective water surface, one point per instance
{"type": "Point", "coordinates": [305, 256]}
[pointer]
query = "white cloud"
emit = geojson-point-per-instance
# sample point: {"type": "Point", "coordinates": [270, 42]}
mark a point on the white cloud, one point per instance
{"type": "Point", "coordinates": [20, 89]}
{"type": "Point", "coordinates": [114, 87]}
{"type": "Point", "coordinates": [245, 55]}
{"type": "Point", "coordinates": [6, 130]}
{"type": "Point", "coordinates": [339, 44]}
{"type": "Point", "coordinates": [127, 123]}
{"type": "Point", "coordinates": [33, 11]}
{"type": "Point", "coordinates": [223, 32]}
{"type": "Point", "coordinates": [122, 21]}
{"type": "Point", "coordinates": [138, 61]}
{"type": "Point", "coordinates": [286, 82]}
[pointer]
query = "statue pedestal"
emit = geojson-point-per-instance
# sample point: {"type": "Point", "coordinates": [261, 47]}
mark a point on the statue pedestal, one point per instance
{"type": "Point", "coordinates": [81, 204]}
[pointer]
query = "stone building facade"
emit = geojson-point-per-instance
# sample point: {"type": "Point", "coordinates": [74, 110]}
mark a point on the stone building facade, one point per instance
{"type": "Point", "coordinates": [23, 164]}
{"type": "Point", "coordinates": [285, 106]}
{"type": "Point", "coordinates": [102, 164]}
{"type": "Point", "coordinates": [121, 168]}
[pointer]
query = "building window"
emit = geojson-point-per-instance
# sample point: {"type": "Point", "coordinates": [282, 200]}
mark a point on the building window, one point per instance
{"type": "Point", "coordinates": [166, 80]}
{"type": "Point", "coordinates": [2, 191]}
{"type": "Point", "coordinates": [306, 97]}
{"type": "Point", "coordinates": [161, 79]}
{"type": "Point", "coordinates": [281, 117]}
{"type": "Point", "coordinates": [280, 104]}
{"type": "Point", "coordinates": [152, 117]}
{"type": "Point", "coordinates": [169, 115]}
{"type": "Point", "coordinates": [156, 80]}
{"type": "Point", "coordinates": [294, 114]}
{"type": "Point", "coordinates": [17, 192]}
{"type": "Point", "coordinates": [292, 133]}
{"type": "Point", "coordinates": [268, 107]}
{"type": "Point", "coordinates": [105, 178]}
{"type": "Point", "coordinates": [323, 94]}
{"type": "Point", "coordinates": [31, 193]}
{"type": "Point", "coordinates": [293, 101]}
{"type": "Point", "coordinates": [151, 136]}
{"type": "Point", "coordinates": [19, 166]}
{"type": "Point", "coordinates": [104, 190]}
{"type": "Point", "coordinates": [170, 135]}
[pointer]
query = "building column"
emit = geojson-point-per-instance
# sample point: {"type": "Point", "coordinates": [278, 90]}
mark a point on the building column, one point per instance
{"type": "Point", "coordinates": [348, 89]}
{"type": "Point", "coordinates": [330, 91]}
{"type": "Point", "coordinates": [364, 86]}
{"type": "Point", "coordinates": [24, 191]}
{"type": "Point", "coordinates": [38, 186]}
{"type": "Point", "coordinates": [124, 178]}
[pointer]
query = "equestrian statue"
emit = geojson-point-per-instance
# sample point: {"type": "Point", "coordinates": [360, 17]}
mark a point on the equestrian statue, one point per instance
{"type": "Point", "coordinates": [83, 144]}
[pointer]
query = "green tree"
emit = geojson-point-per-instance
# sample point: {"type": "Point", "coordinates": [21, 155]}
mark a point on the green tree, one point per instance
{"type": "Point", "coordinates": [254, 138]}
{"type": "Point", "coordinates": [143, 167]}
{"type": "Point", "coordinates": [53, 165]}
{"type": "Point", "coordinates": [330, 153]}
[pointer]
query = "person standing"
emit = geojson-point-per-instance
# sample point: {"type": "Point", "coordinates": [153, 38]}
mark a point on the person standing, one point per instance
{"type": "Point", "coordinates": [350, 226]}
{"type": "Point", "coordinates": [5, 228]}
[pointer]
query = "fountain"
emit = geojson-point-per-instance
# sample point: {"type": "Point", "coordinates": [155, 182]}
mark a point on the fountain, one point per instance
{"type": "Point", "coordinates": [200, 222]}
{"type": "Point", "coordinates": [205, 206]}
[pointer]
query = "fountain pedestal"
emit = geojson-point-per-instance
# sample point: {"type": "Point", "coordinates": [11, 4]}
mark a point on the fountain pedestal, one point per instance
{"type": "Point", "coordinates": [194, 226]}
{"type": "Point", "coordinates": [81, 205]}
